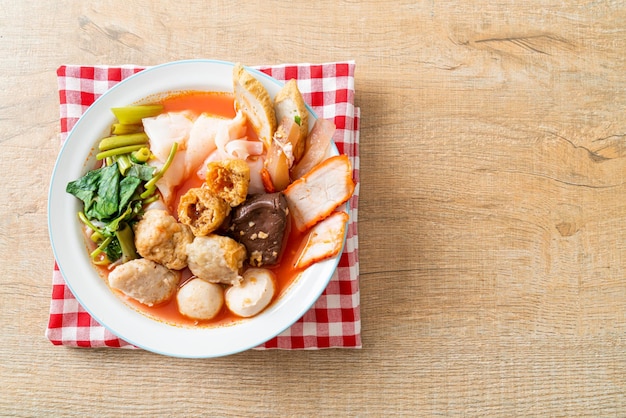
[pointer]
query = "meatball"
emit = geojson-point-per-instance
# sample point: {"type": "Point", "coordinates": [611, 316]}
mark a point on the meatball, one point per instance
{"type": "Point", "coordinates": [160, 238]}
{"type": "Point", "coordinates": [229, 180]}
{"type": "Point", "coordinates": [216, 259]}
{"type": "Point", "coordinates": [253, 294]}
{"type": "Point", "coordinates": [202, 210]}
{"type": "Point", "coordinates": [144, 280]}
{"type": "Point", "coordinates": [198, 299]}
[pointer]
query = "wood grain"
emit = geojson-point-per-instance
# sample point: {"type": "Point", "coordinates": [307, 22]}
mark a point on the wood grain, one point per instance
{"type": "Point", "coordinates": [492, 216]}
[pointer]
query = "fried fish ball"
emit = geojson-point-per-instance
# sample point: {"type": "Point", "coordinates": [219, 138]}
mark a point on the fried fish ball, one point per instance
{"type": "Point", "coordinates": [160, 238]}
{"type": "Point", "coordinates": [202, 211]}
{"type": "Point", "coordinates": [144, 280]}
{"type": "Point", "coordinates": [229, 179]}
{"type": "Point", "coordinates": [216, 259]}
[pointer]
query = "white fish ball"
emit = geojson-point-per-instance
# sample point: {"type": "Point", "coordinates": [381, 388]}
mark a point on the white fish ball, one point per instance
{"type": "Point", "coordinates": [253, 294]}
{"type": "Point", "coordinates": [198, 299]}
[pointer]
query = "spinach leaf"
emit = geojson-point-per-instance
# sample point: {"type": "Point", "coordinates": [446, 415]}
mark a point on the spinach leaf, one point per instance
{"type": "Point", "coordinates": [85, 187]}
{"type": "Point", "coordinates": [108, 199]}
{"type": "Point", "coordinates": [99, 190]}
{"type": "Point", "coordinates": [128, 186]}
{"type": "Point", "coordinates": [141, 171]}
{"type": "Point", "coordinates": [114, 225]}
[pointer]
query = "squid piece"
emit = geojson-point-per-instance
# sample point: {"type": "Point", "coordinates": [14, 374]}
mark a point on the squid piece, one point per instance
{"type": "Point", "coordinates": [317, 144]}
{"type": "Point", "coordinates": [316, 195]}
{"type": "Point", "coordinates": [256, 181]}
{"type": "Point", "coordinates": [280, 156]}
{"type": "Point", "coordinates": [289, 104]}
{"type": "Point", "coordinates": [242, 149]}
{"type": "Point", "coordinates": [324, 240]}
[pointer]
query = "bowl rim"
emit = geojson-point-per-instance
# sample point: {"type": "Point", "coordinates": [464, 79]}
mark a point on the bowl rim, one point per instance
{"type": "Point", "coordinates": [57, 201]}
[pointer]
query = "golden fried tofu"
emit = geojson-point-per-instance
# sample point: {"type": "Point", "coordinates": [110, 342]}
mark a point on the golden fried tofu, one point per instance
{"type": "Point", "coordinates": [202, 211]}
{"type": "Point", "coordinates": [229, 180]}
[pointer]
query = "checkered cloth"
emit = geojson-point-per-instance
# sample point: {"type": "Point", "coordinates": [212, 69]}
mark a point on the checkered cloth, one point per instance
{"type": "Point", "coordinates": [334, 320]}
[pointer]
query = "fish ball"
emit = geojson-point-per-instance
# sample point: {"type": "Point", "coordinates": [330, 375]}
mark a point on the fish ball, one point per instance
{"type": "Point", "coordinates": [253, 294]}
{"type": "Point", "coordinates": [144, 280]}
{"type": "Point", "coordinates": [199, 299]}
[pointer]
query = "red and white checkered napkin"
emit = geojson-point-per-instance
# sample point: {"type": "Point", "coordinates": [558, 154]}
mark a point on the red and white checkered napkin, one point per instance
{"type": "Point", "coordinates": [334, 320]}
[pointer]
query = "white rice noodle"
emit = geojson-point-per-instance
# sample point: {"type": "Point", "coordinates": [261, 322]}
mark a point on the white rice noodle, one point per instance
{"type": "Point", "coordinates": [200, 140]}
{"type": "Point", "coordinates": [174, 175]}
{"type": "Point", "coordinates": [165, 129]}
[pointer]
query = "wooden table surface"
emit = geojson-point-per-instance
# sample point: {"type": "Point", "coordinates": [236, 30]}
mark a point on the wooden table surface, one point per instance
{"type": "Point", "coordinates": [492, 217]}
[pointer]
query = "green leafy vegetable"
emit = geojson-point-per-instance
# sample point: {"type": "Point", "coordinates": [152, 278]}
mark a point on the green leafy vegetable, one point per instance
{"type": "Point", "coordinates": [113, 250]}
{"type": "Point", "coordinates": [128, 187]}
{"type": "Point", "coordinates": [107, 200]}
{"type": "Point", "coordinates": [115, 194]}
{"type": "Point", "coordinates": [86, 187]}
{"type": "Point", "coordinates": [123, 163]}
{"type": "Point", "coordinates": [141, 171]}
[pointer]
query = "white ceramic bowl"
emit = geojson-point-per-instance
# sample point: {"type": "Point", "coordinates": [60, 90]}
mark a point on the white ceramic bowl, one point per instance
{"type": "Point", "coordinates": [68, 242]}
